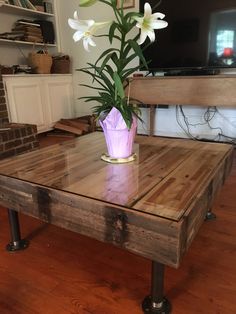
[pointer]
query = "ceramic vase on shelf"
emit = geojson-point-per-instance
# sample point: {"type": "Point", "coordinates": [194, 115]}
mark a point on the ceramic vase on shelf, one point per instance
{"type": "Point", "coordinates": [119, 138]}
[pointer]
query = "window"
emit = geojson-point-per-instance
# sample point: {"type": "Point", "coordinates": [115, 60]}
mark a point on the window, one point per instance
{"type": "Point", "coordinates": [224, 39]}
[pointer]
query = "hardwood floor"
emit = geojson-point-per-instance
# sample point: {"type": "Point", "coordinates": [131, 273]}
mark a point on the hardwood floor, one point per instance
{"type": "Point", "coordinates": [65, 273]}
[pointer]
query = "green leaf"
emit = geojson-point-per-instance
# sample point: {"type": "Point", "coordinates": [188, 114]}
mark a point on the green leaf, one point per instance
{"type": "Point", "coordinates": [95, 78]}
{"type": "Point", "coordinates": [128, 46]}
{"type": "Point", "coordinates": [115, 58]}
{"type": "Point", "coordinates": [119, 85]}
{"type": "Point", "coordinates": [130, 58]}
{"type": "Point", "coordinates": [112, 32]}
{"type": "Point", "coordinates": [109, 70]}
{"type": "Point", "coordinates": [86, 3]}
{"type": "Point", "coordinates": [104, 63]}
{"type": "Point", "coordinates": [102, 76]}
{"type": "Point", "coordinates": [128, 72]}
{"type": "Point", "coordinates": [92, 87]}
{"type": "Point", "coordinates": [138, 51]}
{"type": "Point", "coordinates": [105, 53]}
{"type": "Point", "coordinates": [133, 14]}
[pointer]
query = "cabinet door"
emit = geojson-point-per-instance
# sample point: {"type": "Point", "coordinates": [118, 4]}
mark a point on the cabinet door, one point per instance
{"type": "Point", "coordinates": [59, 98]}
{"type": "Point", "coordinates": [25, 104]}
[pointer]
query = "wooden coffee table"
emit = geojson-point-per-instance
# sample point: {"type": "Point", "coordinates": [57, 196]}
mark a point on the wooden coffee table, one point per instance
{"type": "Point", "coordinates": [152, 207]}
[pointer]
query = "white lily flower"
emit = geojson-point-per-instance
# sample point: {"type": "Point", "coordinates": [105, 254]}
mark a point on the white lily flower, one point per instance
{"type": "Point", "coordinates": [148, 23]}
{"type": "Point", "coordinates": [85, 30]}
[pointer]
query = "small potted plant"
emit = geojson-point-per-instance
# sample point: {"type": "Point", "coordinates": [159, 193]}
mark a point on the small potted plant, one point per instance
{"type": "Point", "coordinates": [116, 112]}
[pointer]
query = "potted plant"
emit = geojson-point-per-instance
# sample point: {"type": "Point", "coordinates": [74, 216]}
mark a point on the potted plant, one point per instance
{"type": "Point", "coordinates": [116, 112]}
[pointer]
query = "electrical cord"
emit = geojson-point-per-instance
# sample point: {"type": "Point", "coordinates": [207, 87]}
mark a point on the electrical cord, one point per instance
{"type": "Point", "coordinates": [208, 116]}
{"type": "Point", "coordinates": [186, 130]}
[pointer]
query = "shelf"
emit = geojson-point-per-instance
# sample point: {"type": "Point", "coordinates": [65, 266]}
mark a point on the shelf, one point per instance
{"type": "Point", "coordinates": [13, 9]}
{"type": "Point", "coordinates": [20, 42]}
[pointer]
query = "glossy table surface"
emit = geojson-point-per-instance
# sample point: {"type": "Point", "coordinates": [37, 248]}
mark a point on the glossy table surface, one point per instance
{"type": "Point", "coordinates": [164, 181]}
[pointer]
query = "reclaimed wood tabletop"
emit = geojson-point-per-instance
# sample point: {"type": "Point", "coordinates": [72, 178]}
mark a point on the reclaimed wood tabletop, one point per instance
{"type": "Point", "coordinates": [152, 206]}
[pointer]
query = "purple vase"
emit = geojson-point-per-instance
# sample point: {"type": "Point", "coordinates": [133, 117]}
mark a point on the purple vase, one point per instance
{"type": "Point", "coordinates": [119, 138]}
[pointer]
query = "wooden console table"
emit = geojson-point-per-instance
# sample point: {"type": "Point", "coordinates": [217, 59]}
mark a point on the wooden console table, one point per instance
{"type": "Point", "coordinates": [152, 207]}
{"type": "Point", "coordinates": [214, 90]}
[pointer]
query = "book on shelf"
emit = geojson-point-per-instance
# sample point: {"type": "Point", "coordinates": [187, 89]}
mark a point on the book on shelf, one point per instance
{"type": "Point", "coordinates": [29, 5]}
{"type": "Point", "coordinates": [34, 39]}
{"type": "Point", "coordinates": [23, 4]}
{"type": "Point", "coordinates": [25, 27]}
{"type": "Point", "coordinates": [11, 36]}
{"type": "Point", "coordinates": [28, 30]}
{"type": "Point", "coordinates": [17, 3]}
{"type": "Point", "coordinates": [21, 37]}
{"type": "Point", "coordinates": [27, 22]}
{"type": "Point", "coordinates": [48, 7]}
{"type": "Point", "coordinates": [2, 2]}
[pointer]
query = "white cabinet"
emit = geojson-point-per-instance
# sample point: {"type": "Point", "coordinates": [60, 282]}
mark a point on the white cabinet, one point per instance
{"type": "Point", "coordinates": [39, 99]}
{"type": "Point", "coordinates": [58, 94]}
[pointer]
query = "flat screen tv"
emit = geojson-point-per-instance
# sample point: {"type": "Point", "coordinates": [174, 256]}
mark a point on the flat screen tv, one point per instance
{"type": "Point", "coordinates": [201, 35]}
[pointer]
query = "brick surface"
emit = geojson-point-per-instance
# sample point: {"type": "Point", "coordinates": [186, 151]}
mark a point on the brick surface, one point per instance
{"type": "Point", "coordinates": [2, 100]}
{"type": "Point", "coordinates": [17, 133]}
{"type": "Point", "coordinates": [4, 121]}
{"type": "Point", "coordinates": [12, 144]}
{"type": "Point", "coordinates": [29, 130]}
{"type": "Point", "coordinates": [23, 132]}
{"type": "Point", "coordinates": [7, 154]}
{"type": "Point", "coordinates": [23, 149]}
{"type": "Point", "coordinates": [3, 107]}
{"type": "Point", "coordinates": [3, 114]}
{"type": "Point", "coordinates": [35, 144]}
{"type": "Point", "coordinates": [18, 139]}
{"type": "Point", "coordinates": [29, 139]}
{"type": "Point", "coordinates": [4, 136]}
{"type": "Point", "coordinates": [11, 135]}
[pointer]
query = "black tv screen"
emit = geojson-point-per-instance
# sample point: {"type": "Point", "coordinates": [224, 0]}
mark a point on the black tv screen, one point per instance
{"type": "Point", "coordinates": [200, 35]}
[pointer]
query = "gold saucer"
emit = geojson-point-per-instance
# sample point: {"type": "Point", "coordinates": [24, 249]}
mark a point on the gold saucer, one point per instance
{"type": "Point", "coordinates": [107, 158]}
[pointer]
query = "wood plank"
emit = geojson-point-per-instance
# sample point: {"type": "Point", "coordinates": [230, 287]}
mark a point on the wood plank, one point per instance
{"type": "Point", "coordinates": [105, 222]}
{"type": "Point", "coordinates": [125, 184]}
{"type": "Point", "coordinates": [218, 90]}
{"type": "Point", "coordinates": [174, 194]}
{"type": "Point", "coordinates": [64, 127]}
{"type": "Point", "coordinates": [75, 123]}
{"type": "Point", "coordinates": [195, 215]}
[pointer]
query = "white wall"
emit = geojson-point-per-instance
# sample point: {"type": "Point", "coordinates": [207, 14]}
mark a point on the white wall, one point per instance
{"type": "Point", "coordinates": [165, 123]}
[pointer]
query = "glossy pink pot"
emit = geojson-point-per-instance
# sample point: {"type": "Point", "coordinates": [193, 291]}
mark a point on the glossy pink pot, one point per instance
{"type": "Point", "coordinates": [119, 138]}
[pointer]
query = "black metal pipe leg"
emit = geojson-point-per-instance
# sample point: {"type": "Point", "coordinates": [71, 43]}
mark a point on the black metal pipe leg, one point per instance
{"type": "Point", "coordinates": [16, 243]}
{"type": "Point", "coordinates": [210, 215]}
{"type": "Point", "coordinates": [156, 303]}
